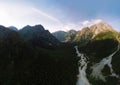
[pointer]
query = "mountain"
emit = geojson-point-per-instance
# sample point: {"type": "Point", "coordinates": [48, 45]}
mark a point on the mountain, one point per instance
{"type": "Point", "coordinates": [60, 35]}
{"type": "Point", "coordinates": [7, 34]}
{"type": "Point", "coordinates": [65, 36]}
{"type": "Point", "coordinates": [70, 35]}
{"type": "Point", "coordinates": [84, 35]}
{"type": "Point", "coordinates": [13, 28]}
{"type": "Point", "coordinates": [97, 31]}
{"type": "Point", "coordinates": [13, 50]}
{"type": "Point", "coordinates": [101, 27]}
{"type": "Point", "coordinates": [98, 39]}
{"type": "Point", "coordinates": [38, 36]}
{"type": "Point", "coordinates": [102, 53]}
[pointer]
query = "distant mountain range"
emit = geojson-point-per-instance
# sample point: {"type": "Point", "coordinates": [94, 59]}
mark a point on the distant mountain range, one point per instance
{"type": "Point", "coordinates": [97, 31]}
{"type": "Point", "coordinates": [65, 36]}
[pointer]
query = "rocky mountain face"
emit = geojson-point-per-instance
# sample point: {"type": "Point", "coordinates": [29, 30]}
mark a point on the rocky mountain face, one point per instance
{"type": "Point", "coordinates": [70, 35]}
{"type": "Point", "coordinates": [95, 31]}
{"type": "Point", "coordinates": [38, 36]}
{"type": "Point", "coordinates": [101, 27]}
{"type": "Point", "coordinates": [84, 35]}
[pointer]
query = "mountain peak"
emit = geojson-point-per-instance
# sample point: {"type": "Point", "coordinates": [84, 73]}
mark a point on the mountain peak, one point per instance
{"type": "Point", "coordinates": [38, 27]}
{"type": "Point", "coordinates": [13, 28]}
{"type": "Point", "coordinates": [38, 36]}
{"type": "Point", "coordinates": [102, 23]}
{"type": "Point", "coordinates": [72, 31]}
{"type": "Point", "coordinates": [101, 27]}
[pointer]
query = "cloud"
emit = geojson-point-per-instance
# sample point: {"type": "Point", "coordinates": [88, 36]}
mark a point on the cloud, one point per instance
{"type": "Point", "coordinates": [85, 22]}
{"type": "Point", "coordinates": [75, 26]}
{"type": "Point", "coordinates": [88, 23]}
{"type": "Point", "coordinates": [79, 25]}
{"type": "Point", "coordinates": [45, 15]}
{"type": "Point", "coordinates": [63, 26]}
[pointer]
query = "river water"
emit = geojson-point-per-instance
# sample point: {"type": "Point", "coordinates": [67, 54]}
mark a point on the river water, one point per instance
{"type": "Point", "coordinates": [96, 69]}
{"type": "Point", "coordinates": [82, 79]}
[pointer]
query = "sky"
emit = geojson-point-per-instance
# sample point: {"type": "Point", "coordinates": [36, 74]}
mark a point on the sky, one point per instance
{"type": "Point", "coordinates": [57, 15]}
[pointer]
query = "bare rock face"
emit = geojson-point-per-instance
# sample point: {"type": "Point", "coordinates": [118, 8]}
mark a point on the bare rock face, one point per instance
{"type": "Point", "coordinates": [91, 32]}
{"type": "Point", "coordinates": [70, 35]}
{"type": "Point", "coordinates": [101, 27]}
{"type": "Point", "coordinates": [84, 34]}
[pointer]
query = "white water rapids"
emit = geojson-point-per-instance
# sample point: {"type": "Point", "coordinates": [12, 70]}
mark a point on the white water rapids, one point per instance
{"type": "Point", "coordinates": [82, 79]}
{"type": "Point", "coordinates": [96, 69]}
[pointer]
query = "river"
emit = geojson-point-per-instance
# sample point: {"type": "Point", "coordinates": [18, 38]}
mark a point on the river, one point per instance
{"type": "Point", "coordinates": [96, 69]}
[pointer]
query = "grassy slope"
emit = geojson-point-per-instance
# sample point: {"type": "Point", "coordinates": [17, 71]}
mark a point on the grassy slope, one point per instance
{"type": "Point", "coordinates": [106, 35]}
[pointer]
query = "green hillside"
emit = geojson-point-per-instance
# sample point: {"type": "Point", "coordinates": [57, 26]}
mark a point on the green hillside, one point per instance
{"type": "Point", "coordinates": [106, 35]}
